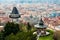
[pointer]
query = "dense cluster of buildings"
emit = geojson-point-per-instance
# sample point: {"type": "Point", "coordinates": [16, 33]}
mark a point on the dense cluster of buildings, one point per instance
{"type": "Point", "coordinates": [25, 11]}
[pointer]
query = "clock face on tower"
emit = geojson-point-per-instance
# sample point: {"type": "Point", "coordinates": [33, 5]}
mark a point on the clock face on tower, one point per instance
{"type": "Point", "coordinates": [14, 16]}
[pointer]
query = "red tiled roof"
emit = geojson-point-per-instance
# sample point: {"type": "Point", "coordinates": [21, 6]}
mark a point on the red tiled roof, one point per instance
{"type": "Point", "coordinates": [53, 21]}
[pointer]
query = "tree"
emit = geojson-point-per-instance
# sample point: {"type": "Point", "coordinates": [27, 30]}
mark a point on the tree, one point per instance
{"type": "Point", "coordinates": [15, 28]}
{"type": "Point", "coordinates": [28, 27]}
{"type": "Point", "coordinates": [11, 37]}
{"type": "Point", "coordinates": [10, 27]}
{"type": "Point", "coordinates": [21, 36]}
{"type": "Point", "coordinates": [1, 36]}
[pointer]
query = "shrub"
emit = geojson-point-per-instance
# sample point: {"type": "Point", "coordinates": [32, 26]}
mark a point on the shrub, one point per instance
{"type": "Point", "coordinates": [50, 31]}
{"type": "Point", "coordinates": [1, 36]}
{"type": "Point", "coordinates": [21, 36]}
{"type": "Point", "coordinates": [10, 27]}
{"type": "Point", "coordinates": [29, 26]}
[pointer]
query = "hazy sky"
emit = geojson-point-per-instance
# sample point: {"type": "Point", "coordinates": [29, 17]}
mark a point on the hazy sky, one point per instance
{"type": "Point", "coordinates": [30, 1]}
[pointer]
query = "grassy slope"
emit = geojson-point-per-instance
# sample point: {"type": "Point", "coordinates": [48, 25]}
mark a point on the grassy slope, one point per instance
{"type": "Point", "coordinates": [49, 37]}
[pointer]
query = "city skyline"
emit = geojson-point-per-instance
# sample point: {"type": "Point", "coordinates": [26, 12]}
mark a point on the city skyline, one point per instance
{"type": "Point", "coordinates": [31, 1]}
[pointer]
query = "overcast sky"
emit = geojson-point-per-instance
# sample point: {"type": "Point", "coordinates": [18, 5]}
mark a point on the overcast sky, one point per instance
{"type": "Point", "coordinates": [30, 1]}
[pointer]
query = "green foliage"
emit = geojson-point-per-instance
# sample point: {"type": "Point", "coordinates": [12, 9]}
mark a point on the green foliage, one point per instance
{"type": "Point", "coordinates": [50, 31]}
{"type": "Point", "coordinates": [1, 36]}
{"type": "Point", "coordinates": [21, 36]}
{"type": "Point", "coordinates": [22, 27]}
{"type": "Point", "coordinates": [10, 27]}
{"type": "Point", "coordinates": [15, 29]}
{"type": "Point", "coordinates": [28, 27]}
{"type": "Point", "coordinates": [10, 37]}
{"type": "Point", "coordinates": [48, 37]}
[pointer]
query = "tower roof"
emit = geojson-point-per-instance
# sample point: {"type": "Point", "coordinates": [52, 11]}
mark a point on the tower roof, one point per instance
{"type": "Point", "coordinates": [15, 11]}
{"type": "Point", "coordinates": [31, 16]}
{"type": "Point", "coordinates": [41, 22]}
